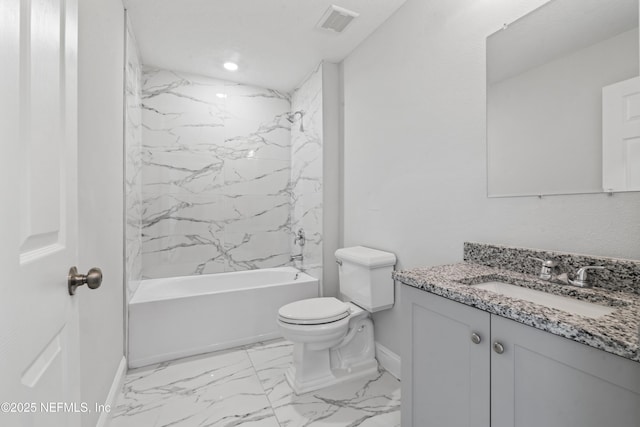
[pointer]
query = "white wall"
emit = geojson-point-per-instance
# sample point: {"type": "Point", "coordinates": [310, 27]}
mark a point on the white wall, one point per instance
{"type": "Point", "coordinates": [100, 177]}
{"type": "Point", "coordinates": [414, 151]}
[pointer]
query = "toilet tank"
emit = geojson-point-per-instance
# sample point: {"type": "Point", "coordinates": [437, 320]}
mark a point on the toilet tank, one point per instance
{"type": "Point", "coordinates": [365, 277]}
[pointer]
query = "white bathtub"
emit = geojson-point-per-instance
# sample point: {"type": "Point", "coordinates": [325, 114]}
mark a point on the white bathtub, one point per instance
{"type": "Point", "coordinates": [182, 316]}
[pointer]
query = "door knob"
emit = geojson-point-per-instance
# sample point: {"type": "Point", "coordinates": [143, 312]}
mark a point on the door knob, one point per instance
{"type": "Point", "coordinates": [93, 279]}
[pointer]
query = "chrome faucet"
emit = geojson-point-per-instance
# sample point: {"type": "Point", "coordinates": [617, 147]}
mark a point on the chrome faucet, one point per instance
{"type": "Point", "coordinates": [296, 257]}
{"type": "Point", "coordinates": [581, 279]}
{"type": "Point", "coordinates": [546, 271]}
{"type": "Point", "coordinates": [300, 238]}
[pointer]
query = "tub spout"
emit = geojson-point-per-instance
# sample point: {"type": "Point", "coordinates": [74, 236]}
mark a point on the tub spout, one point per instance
{"type": "Point", "coordinates": [296, 257]}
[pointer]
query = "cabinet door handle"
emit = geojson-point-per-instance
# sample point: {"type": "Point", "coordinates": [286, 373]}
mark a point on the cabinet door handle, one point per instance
{"type": "Point", "coordinates": [498, 347]}
{"type": "Point", "coordinates": [475, 338]}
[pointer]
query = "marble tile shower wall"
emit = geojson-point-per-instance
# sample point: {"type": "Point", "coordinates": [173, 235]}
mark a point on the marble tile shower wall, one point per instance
{"type": "Point", "coordinates": [306, 170]}
{"type": "Point", "coordinates": [216, 176]}
{"type": "Point", "coordinates": [133, 165]}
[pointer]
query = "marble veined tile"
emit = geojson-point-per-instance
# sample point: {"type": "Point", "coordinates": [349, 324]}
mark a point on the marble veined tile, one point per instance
{"type": "Point", "coordinates": [185, 172]}
{"type": "Point", "coordinates": [258, 213]}
{"type": "Point", "coordinates": [245, 91]}
{"type": "Point", "coordinates": [266, 141]}
{"type": "Point", "coordinates": [198, 147]}
{"type": "Point", "coordinates": [307, 171]}
{"type": "Point", "coordinates": [307, 214]}
{"type": "Point", "coordinates": [270, 362]}
{"type": "Point", "coordinates": [183, 256]}
{"type": "Point", "coordinates": [185, 214]}
{"type": "Point", "coordinates": [262, 249]}
{"type": "Point", "coordinates": [367, 402]}
{"type": "Point", "coordinates": [256, 176]}
{"type": "Point", "coordinates": [372, 402]}
{"type": "Point", "coordinates": [133, 165]}
{"type": "Point", "coordinates": [220, 389]}
{"type": "Point", "coordinates": [246, 386]}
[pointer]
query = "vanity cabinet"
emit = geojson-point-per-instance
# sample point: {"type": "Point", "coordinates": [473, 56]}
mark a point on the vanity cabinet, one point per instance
{"type": "Point", "coordinates": [445, 375]}
{"type": "Point", "coordinates": [465, 367]}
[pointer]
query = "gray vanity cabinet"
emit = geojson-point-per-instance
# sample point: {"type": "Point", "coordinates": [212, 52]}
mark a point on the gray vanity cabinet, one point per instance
{"type": "Point", "coordinates": [543, 379]}
{"type": "Point", "coordinates": [445, 375]}
{"type": "Point", "coordinates": [507, 374]}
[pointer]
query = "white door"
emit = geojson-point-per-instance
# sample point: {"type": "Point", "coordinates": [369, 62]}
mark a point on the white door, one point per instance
{"type": "Point", "coordinates": [621, 136]}
{"type": "Point", "coordinates": [38, 133]}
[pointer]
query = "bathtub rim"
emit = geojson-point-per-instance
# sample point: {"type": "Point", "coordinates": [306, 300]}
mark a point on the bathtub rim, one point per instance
{"type": "Point", "coordinates": [138, 298]}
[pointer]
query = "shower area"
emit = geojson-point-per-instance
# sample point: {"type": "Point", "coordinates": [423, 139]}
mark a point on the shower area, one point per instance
{"type": "Point", "coordinates": [225, 177]}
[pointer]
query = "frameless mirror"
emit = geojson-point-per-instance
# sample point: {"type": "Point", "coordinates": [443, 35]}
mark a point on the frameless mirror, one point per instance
{"type": "Point", "coordinates": [563, 100]}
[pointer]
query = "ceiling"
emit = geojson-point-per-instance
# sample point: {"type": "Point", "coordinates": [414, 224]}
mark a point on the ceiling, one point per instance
{"type": "Point", "coordinates": [554, 30]}
{"type": "Point", "coordinates": [275, 42]}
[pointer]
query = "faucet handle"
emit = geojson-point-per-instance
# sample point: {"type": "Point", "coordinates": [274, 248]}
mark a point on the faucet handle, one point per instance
{"type": "Point", "coordinates": [546, 262]}
{"type": "Point", "coordinates": [300, 237]}
{"type": "Point", "coordinates": [581, 276]}
{"type": "Point", "coordinates": [547, 267]}
{"type": "Point", "coordinates": [582, 272]}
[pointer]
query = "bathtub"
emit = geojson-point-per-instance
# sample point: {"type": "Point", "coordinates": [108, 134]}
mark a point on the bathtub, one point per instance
{"type": "Point", "coordinates": [182, 316]}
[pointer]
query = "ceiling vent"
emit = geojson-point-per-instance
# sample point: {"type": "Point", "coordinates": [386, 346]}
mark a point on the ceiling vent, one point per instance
{"type": "Point", "coordinates": [336, 19]}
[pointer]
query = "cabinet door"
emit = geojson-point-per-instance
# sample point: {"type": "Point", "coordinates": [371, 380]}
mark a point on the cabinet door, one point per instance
{"type": "Point", "coordinates": [445, 376]}
{"type": "Point", "coordinates": [545, 380]}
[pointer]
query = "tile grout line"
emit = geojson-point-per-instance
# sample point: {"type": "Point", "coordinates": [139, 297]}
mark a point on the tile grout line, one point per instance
{"type": "Point", "coordinates": [255, 370]}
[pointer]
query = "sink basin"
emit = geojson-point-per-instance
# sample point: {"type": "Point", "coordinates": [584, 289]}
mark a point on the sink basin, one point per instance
{"type": "Point", "coordinates": [570, 305]}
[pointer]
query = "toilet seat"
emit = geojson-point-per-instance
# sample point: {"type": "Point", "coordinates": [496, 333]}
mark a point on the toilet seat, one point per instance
{"type": "Point", "coordinates": [314, 311]}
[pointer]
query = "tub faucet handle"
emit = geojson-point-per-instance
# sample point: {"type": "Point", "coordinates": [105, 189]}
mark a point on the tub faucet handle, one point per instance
{"type": "Point", "coordinates": [300, 238]}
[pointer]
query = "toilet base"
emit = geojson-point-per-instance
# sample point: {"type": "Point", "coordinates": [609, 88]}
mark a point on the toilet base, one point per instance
{"type": "Point", "coordinates": [336, 376]}
{"type": "Point", "coordinates": [351, 359]}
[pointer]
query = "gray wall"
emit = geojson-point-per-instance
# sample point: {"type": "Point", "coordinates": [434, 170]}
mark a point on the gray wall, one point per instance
{"type": "Point", "coordinates": [414, 151]}
{"type": "Point", "coordinates": [330, 176]}
{"type": "Point", "coordinates": [100, 187]}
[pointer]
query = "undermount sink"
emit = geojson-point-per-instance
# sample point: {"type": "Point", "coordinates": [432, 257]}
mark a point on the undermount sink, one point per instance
{"type": "Point", "coordinates": [563, 303]}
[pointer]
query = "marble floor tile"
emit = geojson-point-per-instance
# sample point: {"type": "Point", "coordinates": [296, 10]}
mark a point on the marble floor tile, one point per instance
{"type": "Point", "coordinates": [246, 386]}
{"type": "Point", "coordinates": [367, 402]}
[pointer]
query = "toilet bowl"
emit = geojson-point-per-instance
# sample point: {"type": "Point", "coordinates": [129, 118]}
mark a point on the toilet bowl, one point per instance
{"type": "Point", "coordinates": [333, 340]}
{"type": "Point", "coordinates": [330, 347]}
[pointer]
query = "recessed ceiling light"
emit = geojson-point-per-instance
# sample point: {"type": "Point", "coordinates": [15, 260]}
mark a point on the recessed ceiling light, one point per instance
{"type": "Point", "coordinates": [231, 66]}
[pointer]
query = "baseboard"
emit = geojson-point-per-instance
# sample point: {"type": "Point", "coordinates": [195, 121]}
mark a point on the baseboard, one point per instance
{"type": "Point", "coordinates": [116, 386]}
{"type": "Point", "coordinates": [388, 360]}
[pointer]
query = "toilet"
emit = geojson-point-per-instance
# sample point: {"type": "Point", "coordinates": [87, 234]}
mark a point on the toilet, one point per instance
{"type": "Point", "coordinates": [333, 339]}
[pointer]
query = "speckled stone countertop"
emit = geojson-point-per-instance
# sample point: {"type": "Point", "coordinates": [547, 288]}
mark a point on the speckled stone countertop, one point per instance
{"type": "Point", "coordinates": [615, 333]}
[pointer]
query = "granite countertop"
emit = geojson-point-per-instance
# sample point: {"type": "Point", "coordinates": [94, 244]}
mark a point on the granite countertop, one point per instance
{"type": "Point", "coordinates": [616, 333]}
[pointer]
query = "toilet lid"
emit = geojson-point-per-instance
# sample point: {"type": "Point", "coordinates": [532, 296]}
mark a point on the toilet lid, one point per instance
{"type": "Point", "coordinates": [314, 311]}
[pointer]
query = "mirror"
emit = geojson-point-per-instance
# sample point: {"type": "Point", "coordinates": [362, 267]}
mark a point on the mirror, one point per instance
{"type": "Point", "coordinates": [546, 75]}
